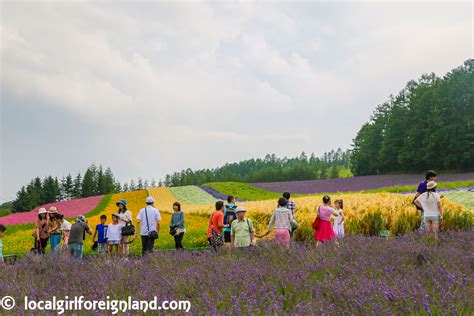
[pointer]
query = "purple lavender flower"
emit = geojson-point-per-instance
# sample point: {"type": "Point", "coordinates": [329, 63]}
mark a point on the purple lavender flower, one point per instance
{"type": "Point", "coordinates": [354, 183]}
{"type": "Point", "coordinates": [365, 275]}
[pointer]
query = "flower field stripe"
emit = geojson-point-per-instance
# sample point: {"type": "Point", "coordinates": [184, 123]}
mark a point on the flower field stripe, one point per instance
{"type": "Point", "coordinates": [192, 195]}
{"type": "Point", "coordinates": [242, 191]}
{"type": "Point", "coordinates": [164, 198]}
{"type": "Point", "coordinates": [135, 202]}
{"type": "Point", "coordinates": [464, 197]}
{"type": "Point", "coordinates": [216, 194]}
{"type": "Point", "coordinates": [101, 207]}
{"type": "Point", "coordinates": [70, 209]}
{"type": "Point", "coordinates": [391, 183]}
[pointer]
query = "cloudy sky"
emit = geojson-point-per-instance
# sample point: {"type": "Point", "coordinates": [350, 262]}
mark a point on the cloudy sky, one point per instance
{"type": "Point", "coordinates": [151, 88]}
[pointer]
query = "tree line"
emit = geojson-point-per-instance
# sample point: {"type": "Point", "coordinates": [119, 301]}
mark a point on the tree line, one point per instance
{"type": "Point", "coordinates": [332, 164]}
{"type": "Point", "coordinates": [428, 125]}
{"type": "Point", "coordinates": [140, 184]}
{"type": "Point", "coordinates": [39, 191]}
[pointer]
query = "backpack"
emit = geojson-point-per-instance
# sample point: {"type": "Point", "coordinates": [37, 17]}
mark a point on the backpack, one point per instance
{"type": "Point", "coordinates": [229, 214]}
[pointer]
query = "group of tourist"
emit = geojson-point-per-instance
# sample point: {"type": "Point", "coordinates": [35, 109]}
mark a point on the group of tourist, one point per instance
{"type": "Point", "coordinates": [228, 225]}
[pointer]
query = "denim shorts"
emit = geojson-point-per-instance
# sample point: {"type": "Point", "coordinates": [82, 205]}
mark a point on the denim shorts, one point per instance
{"type": "Point", "coordinates": [115, 242]}
{"type": "Point", "coordinates": [433, 219]}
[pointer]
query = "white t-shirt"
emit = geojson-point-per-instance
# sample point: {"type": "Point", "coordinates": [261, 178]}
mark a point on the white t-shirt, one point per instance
{"type": "Point", "coordinates": [114, 232]}
{"type": "Point", "coordinates": [153, 216]}
{"type": "Point", "coordinates": [65, 225]}
{"type": "Point", "coordinates": [127, 215]}
{"type": "Point", "coordinates": [429, 203]}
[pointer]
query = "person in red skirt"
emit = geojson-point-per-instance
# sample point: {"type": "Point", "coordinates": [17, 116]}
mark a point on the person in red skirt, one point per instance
{"type": "Point", "coordinates": [322, 223]}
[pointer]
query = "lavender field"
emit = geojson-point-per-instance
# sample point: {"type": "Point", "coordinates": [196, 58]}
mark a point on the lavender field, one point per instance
{"type": "Point", "coordinates": [355, 183]}
{"type": "Point", "coordinates": [365, 276]}
{"type": "Point", "coordinates": [217, 194]}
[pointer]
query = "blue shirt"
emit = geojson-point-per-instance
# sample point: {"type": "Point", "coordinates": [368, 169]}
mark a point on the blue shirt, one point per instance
{"type": "Point", "coordinates": [101, 232]}
{"type": "Point", "coordinates": [422, 187]}
{"type": "Point", "coordinates": [177, 220]}
{"type": "Point", "coordinates": [229, 215]}
{"type": "Point", "coordinates": [1, 250]}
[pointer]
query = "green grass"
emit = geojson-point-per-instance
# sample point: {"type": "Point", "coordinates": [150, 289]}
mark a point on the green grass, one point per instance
{"type": "Point", "coordinates": [408, 188]}
{"type": "Point", "coordinates": [101, 206]}
{"type": "Point", "coordinates": [191, 194]}
{"type": "Point", "coordinates": [242, 191]}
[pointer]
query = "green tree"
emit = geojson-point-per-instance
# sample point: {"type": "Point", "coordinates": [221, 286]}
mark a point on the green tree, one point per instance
{"type": "Point", "coordinates": [88, 183]}
{"type": "Point", "coordinates": [77, 187]}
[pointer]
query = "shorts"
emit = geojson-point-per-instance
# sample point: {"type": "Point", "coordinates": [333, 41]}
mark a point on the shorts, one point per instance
{"type": "Point", "coordinates": [115, 242]}
{"type": "Point", "coordinates": [227, 236]}
{"type": "Point", "coordinates": [432, 219]}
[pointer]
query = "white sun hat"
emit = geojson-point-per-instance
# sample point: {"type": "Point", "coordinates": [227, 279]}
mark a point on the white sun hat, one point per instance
{"type": "Point", "coordinates": [42, 211]}
{"type": "Point", "coordinates": [431, 185]}
{"type": "Point", "coordinates": [240, 209]}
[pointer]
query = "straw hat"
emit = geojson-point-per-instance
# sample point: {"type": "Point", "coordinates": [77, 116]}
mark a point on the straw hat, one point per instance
{"type": "Point", "coordinates": [431, 185]}
{"type": "Point", "coordinates": [53, 209]}
{"type": "Point", "coordinates": [42, 211]}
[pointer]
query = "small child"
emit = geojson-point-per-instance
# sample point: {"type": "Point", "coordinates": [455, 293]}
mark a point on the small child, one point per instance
{"type": "Point", "coordinates": [2, 230]}
{"type": "Point", "coordinates": [114, 235]}
{"type": "Point", "coordinates": [101, 231]}
{"type": "Point", "coordinates": [65, 230]}
{"type": "Point", "coordinates": [338, 225]}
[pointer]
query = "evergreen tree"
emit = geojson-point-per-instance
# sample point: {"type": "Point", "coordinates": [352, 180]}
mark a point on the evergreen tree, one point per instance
{"type": "Point", "coordinates": [50, 190]}
{"type": "Point", "coordinates": [100, 182]}
{"type": "Point", "coordinates": [125, 187]}
{"type": "Point", "coordinates": [67, 187]}
{"type": "Point", "coordinates": [132, 186]}
{"type": "Point", "coordinates": [77, 187]}
{"type": "Point", "coordinates": [88, 183]}
{"type": "Point", "coordinates": [428, 125]}
{"type": "Point", "coordinates": [110, 185]}
{"type": "Point", "coordinates": [21, 203]}
{"type": "Point", "coordinates": [334, 172]}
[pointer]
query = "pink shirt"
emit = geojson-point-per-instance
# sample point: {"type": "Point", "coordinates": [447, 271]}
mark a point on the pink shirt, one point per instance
{"type": "Point", "coordinates": [325, 212]}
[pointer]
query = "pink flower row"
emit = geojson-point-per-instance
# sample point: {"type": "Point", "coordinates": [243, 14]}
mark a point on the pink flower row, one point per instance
{"type": "Point", "coordinates": [71, 208]}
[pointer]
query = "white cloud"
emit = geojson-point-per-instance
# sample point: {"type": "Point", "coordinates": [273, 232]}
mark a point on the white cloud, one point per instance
{"type": "Point", "coordinates": [187, 77]}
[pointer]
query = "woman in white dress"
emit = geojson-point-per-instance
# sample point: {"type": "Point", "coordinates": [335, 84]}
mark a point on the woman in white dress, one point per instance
{"type": "Point", "coordinates": [338, 225]}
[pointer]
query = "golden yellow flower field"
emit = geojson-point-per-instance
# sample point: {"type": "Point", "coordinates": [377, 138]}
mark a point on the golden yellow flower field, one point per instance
{"type": "Point", "coordinates": [366, 213]}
